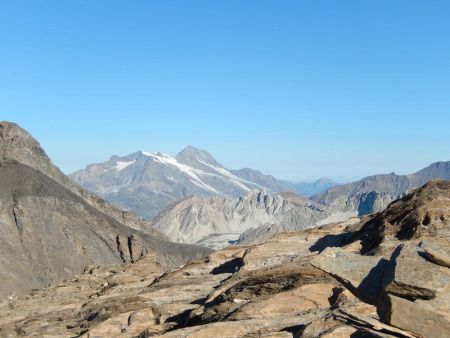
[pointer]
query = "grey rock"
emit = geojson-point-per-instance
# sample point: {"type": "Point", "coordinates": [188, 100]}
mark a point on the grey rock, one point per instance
{"type": "Point", "coordinates": [417, 318]}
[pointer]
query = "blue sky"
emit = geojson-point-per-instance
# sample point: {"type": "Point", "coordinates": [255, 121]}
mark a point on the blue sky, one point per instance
{"type": "Point", "coordinates": [297, 89]}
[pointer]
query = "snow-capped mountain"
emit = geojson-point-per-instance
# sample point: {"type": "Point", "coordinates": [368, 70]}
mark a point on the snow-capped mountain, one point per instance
{"type": "Point", "coordinates": [147, 182]}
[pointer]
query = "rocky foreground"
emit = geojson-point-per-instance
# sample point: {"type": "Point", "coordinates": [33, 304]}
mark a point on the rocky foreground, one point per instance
{"type": "Point", "coordinates": [383, 276]}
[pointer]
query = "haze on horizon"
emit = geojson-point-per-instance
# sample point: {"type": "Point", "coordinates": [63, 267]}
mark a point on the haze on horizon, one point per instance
{"type": "Point", "coordinates": [299, 91]}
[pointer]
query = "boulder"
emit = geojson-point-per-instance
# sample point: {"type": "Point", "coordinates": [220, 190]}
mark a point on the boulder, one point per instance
{"type": "Point", "coordinates": [411, 276]}
{"type": "Point", "coordinates": [437, 250]}
{"type": "Point", "coordinates": [361, 274]}
{"type": "Point", "coordinates": [417, 318]}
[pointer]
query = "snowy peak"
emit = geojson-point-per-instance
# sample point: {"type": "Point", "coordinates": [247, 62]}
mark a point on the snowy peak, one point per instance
{"type": "Point", "coordinates": [190, 155]}
{"type": "Point", "coordinates": [147, 182]}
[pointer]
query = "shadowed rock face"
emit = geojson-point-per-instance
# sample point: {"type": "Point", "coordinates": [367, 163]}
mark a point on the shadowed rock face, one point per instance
{"type": "Point", "coordinates": [49, 232]}
{"type": "Point", "coordinates": [423, 213]}
{"type": "Point", "coordinates": [313, 283]}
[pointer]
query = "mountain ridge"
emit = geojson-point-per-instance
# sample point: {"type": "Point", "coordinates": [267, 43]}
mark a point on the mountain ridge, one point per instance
{"type": "Point", "coordinates": [309, 189]}
{"type": "Point", "coordinates": [374, 193]}
{"type": "Point", "coordinates": [147, 182]}
{"type": "Point", "coordinates": [216, 221]}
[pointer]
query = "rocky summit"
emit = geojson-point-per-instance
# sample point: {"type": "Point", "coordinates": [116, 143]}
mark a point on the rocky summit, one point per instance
{"type": "Point", "coordinates": [386, 275]}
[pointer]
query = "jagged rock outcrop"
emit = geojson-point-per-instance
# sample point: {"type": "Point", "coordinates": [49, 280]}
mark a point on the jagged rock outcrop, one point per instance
{"type": "Point", "coordinates": [146, 183]}
{"type": "Point", "coordinates": [217, 222]}
{"type": "Point", "coordinates": [49, 232]}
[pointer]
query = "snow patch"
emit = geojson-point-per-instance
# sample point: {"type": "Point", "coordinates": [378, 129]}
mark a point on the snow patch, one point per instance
{"type": "Point", "coordinates": [189, 171]}
{"type": "Point", "coordinates": [236, 180]}
{"type": "Point", "coordinates": [122, 165]}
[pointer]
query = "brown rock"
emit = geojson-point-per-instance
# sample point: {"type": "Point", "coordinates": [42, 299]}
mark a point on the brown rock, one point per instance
{"type": "Point", "coordinates": [411, 276]}
{"type": "Point", "coordinates": [423, 213]}
{"type": "Point", "coordinates": [289, 303]}
{"type": "Point", "coordinates": [417, 318]}
{"type": "Point", "coordinates": [361, 274]}
{"type": "Point", "coordinates": [437, 250]}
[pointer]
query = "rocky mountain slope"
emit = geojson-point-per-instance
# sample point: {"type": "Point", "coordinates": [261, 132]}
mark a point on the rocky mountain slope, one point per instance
{"type": "Point", "coordinates": [49, 231]}
{"type": "Point", "coordinates": [314, 283]}
{"type": "Point", "coordinates": [309, 189]}
{"type": "Point", "coordinates": [216, 221]}
{"type": "Point", "coordinates": [17, 144]}
{"type": "Point", "coordinates": [374, 193]}
{"type": "Point", "coordinates": [146, 183]}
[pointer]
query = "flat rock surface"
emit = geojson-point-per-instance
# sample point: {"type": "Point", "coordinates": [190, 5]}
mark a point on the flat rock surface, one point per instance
{"type": "Point", "coordinates": [361, 274]}
{"type": "Point", "coordinates": [437, 250]}
{"type": "Point", "coordinates": [412, 276]}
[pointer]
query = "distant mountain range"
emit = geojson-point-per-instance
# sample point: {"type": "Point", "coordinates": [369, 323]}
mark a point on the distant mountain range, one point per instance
{"type": "Point", "coordinates": [374, 193]}
{"type": "Point", "coordinates": [311, 188]}
{"type": "Point", "coordinates": [192, 198]}
{"type": "Point", "coordinates": [146, 183]}
{"type": "Point", "coordinates": [259, 215]}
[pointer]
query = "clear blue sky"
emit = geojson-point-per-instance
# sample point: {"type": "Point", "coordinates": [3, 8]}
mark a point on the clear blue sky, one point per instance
{"type": "Point", "coordinates": [298, 89]}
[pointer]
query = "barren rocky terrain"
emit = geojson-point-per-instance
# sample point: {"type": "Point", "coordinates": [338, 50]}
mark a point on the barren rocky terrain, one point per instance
{"type": "Point", "coordinates": [386, 275]}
